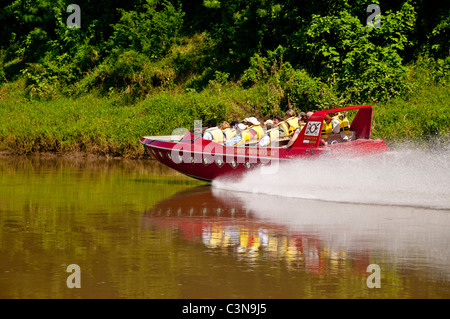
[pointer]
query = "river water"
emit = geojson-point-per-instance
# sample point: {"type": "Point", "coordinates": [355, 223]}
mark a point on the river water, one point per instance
{"type": "Point", "coordinates": [355, 228]}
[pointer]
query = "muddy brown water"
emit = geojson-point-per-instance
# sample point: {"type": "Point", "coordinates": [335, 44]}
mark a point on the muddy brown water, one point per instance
{"type": "Point", "coordinates": [136, 229]}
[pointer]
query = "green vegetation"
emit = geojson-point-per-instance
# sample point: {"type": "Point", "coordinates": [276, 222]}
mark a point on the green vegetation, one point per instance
{"type": "Point", "coordinates": [147, 67]}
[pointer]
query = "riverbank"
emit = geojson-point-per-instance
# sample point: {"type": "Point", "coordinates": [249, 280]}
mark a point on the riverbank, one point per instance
{"type": "Point", "coordinates": [110, 126]}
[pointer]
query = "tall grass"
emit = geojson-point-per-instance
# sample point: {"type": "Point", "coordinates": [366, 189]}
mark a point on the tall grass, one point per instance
{"type": "Point", "coordinates": [109, 126]}
{"type": "Point", "coordinates": [423, 114]}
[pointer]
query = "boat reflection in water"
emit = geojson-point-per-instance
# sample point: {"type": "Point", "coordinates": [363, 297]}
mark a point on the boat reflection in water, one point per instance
{"type": "Point", "coordinates": [313, 236]}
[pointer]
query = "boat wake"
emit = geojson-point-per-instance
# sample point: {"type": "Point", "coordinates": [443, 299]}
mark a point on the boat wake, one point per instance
{"type": "Point", "coordinates": [402, 177]}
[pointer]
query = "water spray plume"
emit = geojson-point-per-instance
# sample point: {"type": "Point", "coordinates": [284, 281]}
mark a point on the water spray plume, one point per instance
{"type": "Point", "coordinates": [406, 177]}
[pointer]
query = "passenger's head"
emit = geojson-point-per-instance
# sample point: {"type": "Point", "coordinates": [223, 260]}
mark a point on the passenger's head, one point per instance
{"type": "Point", "coordinates": [268, 124]}
{"type": "Point", "coordinates": [241, 127]}
{"type": "Point", "coordinates": [234, 123]}
{"type": "Point", "coordinates": [251, 121]}
{"type": "Point", "coordinates": [212, 123]}
{"type": "Point", "coordinates": [302, 117]}
{"type": "Point", "coordinates": [290, 113]}
{"type": "Point", "coordinates": [308, 114]}
{"type": "Point", "coordinates": [224, 125]}
{"type": "Point", "coordinates": [327, 119]}
{"type": "Point", "coordinates": [277, 119]}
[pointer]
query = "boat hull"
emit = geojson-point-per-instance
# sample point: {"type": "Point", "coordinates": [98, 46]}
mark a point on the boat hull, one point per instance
{"type": "Point", "coordinates": [206, 160]}
{"type": "Point", "coordinates": [195, 160]}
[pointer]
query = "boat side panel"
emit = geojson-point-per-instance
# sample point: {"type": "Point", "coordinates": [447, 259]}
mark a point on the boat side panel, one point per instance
{"type": "Point", "coordinates": [359, 147]}
{"type": "Point", "coordinates": [206, 166]}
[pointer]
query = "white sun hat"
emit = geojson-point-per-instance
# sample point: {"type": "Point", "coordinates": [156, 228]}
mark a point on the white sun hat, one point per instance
{"type": "Point", "coordinates": [241, 126]}
{"type": "Point", "coordinates": [253, 120]}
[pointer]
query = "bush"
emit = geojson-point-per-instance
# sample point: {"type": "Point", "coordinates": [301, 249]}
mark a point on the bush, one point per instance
{"type": "Point", "coordinates": [191, 58]}
{"type": "Point", "coordinates": [40, 82]}
{"type": "Point", "coordinates": [151, 32]}
{"type": "Point", "coordinates": [294, 88]}
{"type": "Point", "coordinates": [364, 62]}
{"type": "Point", "coordinates": [129, 72]}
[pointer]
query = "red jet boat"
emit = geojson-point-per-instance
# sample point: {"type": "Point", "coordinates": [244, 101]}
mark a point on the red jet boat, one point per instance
{"type": "Point", "coordinates": [206, 160]}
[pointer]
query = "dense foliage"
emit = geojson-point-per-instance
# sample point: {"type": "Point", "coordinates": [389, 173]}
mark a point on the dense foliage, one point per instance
{"type": "Point", "coordinates": [139, 45]}
{"type": "Point", "coordinates": [268, 55]}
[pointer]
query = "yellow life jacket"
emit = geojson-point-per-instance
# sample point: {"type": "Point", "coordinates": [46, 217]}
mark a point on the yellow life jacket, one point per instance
{"type": "Point", "coordinates": [343, 123]}
{"type": "Point", "coordinates": [270, 136]}
{"type": "Point", "coordinates": [245, 137]}
{"type": "Point", "coordinates": [283, 129]}
{"type": "Point", "coordinates": [345, 126]}
{"type": "Point", "coordinates": [258, 129]}
{"type": "Point", "coordinates": [246, 134]}
{"type": "Point", "coordinates": [300, 127]}
{"type": "Point", "coordinates": [293, 124]}
{"type": "Point", "coordinates": [216, 134]}
{"type": "Point", "coordinates": [229, 133]}
{"type": "Point", "coordinates": [326, 129]}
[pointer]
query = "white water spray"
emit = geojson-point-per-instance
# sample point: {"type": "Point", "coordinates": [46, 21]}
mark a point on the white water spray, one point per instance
{"type": "Point", "coordinates": [406, 177]}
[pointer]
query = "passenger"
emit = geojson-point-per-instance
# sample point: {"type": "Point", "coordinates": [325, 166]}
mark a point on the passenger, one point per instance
{"type": "Point", "coordinates": [268, 125]}
{"type": "Point", "coordinates": [229, 131]}
{"type": "Point", "coordinates": [345, 125]}
{"type": "Point", "coordinates": [302, 119]}
{"type": "Point", "coordinates": [255, 127]}
{"type": "Point", "coordinates": [213, 133]}
{"type": "Point", "coordinates": [338, 124]}
{"type": "Point", "coordinates": [224, 125]}
{"type": "Point", "coordinates": [283, 127]}
{"type": "Point", "coordinates": [272, 134]}
{"type": "Point", "coordinates": [335, 124]}
{"type": "Point", "coordinates": [253, 131]}
{"type": "Point", "coordinates": [290, 113]}
{"type": "Point", "coordinates": [292, 121]}
{"type": "Point", "coordinates": [237, 139]}
{"type": "Point", "coordinates": [341, 125]}
{"type": "Point", "coordinates": [327, 127]}
{"type": "Point", "coordinates": [234, 124]}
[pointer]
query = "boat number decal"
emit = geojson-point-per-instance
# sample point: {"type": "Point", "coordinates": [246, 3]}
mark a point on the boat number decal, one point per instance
{"type": "Point", "coordinates": [313, 128]}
